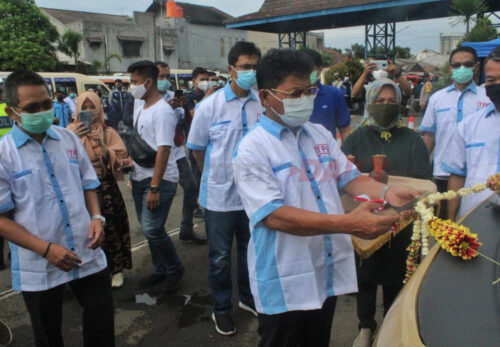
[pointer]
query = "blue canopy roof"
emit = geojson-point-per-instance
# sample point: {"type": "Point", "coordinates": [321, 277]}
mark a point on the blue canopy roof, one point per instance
{"type": "Point", "coordinates": [483, 48]}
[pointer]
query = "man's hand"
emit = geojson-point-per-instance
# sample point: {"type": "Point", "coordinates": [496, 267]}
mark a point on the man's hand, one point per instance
{"type": "Point", "coordinates": [369, 67]}
{"type": "Point", "coordinates": [400, 195]}
{"type": "Point", "coordinates": [183, 101]}
{"type": "Point", "coordinates": [153, 200]}
{"type": "Point", "coordinates": [96, 234]}
{"type": "Point", "coordinates": [365, 224]}
{"type": "Point", "coordinates": [211, 91]}
{"type": "Point", "coordinates": [391, 68]}
{"type": "Point", "coordinates": [174, 103]}
{"type": "Point", "coordinates": [62, 258]}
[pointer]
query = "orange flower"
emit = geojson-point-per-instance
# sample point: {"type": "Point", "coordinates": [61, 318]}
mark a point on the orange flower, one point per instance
{"type": "Point", "coordinates": [494, 182]}
{"type": "Point", "coordinates": [455, 239]}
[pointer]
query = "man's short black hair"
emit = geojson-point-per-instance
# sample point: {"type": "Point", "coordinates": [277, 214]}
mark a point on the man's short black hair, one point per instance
{"type": "Point", "coordinates": [18, 79]}
{"type": "Point", "coordinates": [146, 69]}
{"type": "Point", "coordinates": [118, 81]}
{"type": "Point", "coordinates": [494, 55]}
{"type": "Point", "coordinates": [162, 64]}
{"type": "Point", "coordinates": [242, 48]}
{"type": "Point", "coordinates": [198, 71]}
{"type": "Point", "coordinates": [463, 49]}
{"type": "Point", "coordinates": [278, 64]}
{"type": "Point", "coordinates": [315, 57]}
{"type": "Point", "coordinates": [211, 73]}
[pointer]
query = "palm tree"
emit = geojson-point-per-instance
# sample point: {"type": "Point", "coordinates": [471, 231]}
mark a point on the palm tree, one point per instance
{"type": "Point", "coordinates": [108, 59]}
{"type": "Point", "coordinates": [466, 9]}
{"type": "Point", "coordinates": [70, 44]}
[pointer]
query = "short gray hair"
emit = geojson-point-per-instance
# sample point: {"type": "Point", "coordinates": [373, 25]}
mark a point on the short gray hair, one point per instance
{"type": "Point", "coordinates": [21, 78]}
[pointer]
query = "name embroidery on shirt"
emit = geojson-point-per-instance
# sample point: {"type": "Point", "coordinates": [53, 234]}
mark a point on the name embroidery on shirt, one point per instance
{"type": "Point", "coordinates": [322, 150]}
{"type": "Point", "coordinates": [71, 153]}
{"type": "Point", "coordinates": [482, 104]}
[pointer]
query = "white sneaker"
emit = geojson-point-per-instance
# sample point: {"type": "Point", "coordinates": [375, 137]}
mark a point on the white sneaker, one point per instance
{"type": "Point", "coordinates": [117, 280]}
{"type": "Point", "coordinates": [364, 338]}
{"type": "Point", "coordinates": [248, 308]}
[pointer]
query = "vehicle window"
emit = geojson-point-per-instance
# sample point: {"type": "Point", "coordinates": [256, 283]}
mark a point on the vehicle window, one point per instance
{"type": "Point", "coordinates": [184, 79]}
{"type": "Point", "coordinates": [51, 88]}
{"type": "Point", "coordinates": [63, 84]}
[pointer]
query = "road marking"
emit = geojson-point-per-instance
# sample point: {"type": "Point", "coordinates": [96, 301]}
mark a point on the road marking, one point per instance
{"type": "Point", "coordinates": [139, 245]}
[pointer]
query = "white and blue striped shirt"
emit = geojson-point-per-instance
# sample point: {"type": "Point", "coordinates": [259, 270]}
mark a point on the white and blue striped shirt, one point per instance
{"type": "Point", "coordinates": [275, 168]}
{"type": "Point", "coordinates": [447, 108]}
{"type": "Point", "coordinates": [219, 123]}
{"type": "Point", "coordinates": [43, 185]}
{"type": "Point", "coordinates": [474, 152]}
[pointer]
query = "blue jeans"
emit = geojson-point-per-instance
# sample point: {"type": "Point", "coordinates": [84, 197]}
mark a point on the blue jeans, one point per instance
{"type": "Point", "coordinates": [163, 253]}
{"type": "Point", "coordinates": [221, 228]}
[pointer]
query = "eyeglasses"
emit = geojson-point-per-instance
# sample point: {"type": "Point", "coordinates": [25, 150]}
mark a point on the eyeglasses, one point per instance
{"type": "Point", "coordinates": [247, 67]}
{"type": "Point", "coordinates": [37, 107]}
{"type": "Point", "coordinates": [297, 93]}
{"type": "Point", "coordinates": [467, 64]}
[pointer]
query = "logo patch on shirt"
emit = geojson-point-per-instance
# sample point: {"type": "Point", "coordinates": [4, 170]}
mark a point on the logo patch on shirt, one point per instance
{"type": "Point", "coordinates": [482, 104]}
{"type": "Point", "coordinates": [322, 150]}
{"type": "Point", "coordinates": [325, 106]}
{"type": "Point", "coordinates": [71, 153]}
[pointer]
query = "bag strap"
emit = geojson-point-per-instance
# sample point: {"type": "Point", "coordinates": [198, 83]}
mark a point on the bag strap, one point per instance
{"type": "Point", "coordinates": [137, 121]}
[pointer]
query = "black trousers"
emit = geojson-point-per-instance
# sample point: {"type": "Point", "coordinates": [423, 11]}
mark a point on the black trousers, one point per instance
{"type": "Point", "coordinates": [93, 294]}
{"type": "Point", "coordinates": [442, 186]}
{"type": "Point", "coordinates": [366, 300]}
{"type": "Point", "coordinates": [298, 328]}
{"type": "Point", "coordinates": [188, 184]}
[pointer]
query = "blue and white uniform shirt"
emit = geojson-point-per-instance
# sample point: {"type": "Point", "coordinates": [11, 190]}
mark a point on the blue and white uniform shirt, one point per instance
{"type": "Point", "coordinates": [275, 168]}
{"type": "Point", "coordinates": [219, 123]}
{"type": "Point", "coordinates": [474, 152]}
{"type": "Point", "coordinates": [445, 110]}
{"type": "Point", "coordinates": [42, 186]}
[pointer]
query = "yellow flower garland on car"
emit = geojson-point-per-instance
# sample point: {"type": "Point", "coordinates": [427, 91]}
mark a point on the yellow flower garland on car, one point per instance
{"type": "Point", "coordinates": [453, 238]}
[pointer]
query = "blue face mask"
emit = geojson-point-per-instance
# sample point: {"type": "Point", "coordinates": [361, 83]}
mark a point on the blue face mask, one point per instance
{"type": "Point", "coordinates": [246, 78]}
{"type": "Point", "coordinates": [37, 123]}
{"type": "Point", "coordinates": [163, 85]}
{"type": "Point", "coordinates": [463, 74]}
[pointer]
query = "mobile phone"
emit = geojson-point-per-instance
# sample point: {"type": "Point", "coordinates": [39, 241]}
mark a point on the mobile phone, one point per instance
{"type": "Point", "coordinates": [178, 93]}
{"type": "Point", "coordinates": [381, 64]}
{"type": "Point", "coordinates": [86, 118]}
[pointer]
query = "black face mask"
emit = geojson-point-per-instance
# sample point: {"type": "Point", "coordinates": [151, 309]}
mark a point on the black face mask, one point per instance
{"type": "Point", "coordinates": [493, 92]}
{"type": "Point", "coordinates": [60, 98]}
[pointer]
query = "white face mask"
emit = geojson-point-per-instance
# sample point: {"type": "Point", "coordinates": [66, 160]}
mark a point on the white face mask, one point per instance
{"type": "Point", "coordinates": [138, 91]}
{"type": "Point", "coordinates": [297, 110]}
{"type": "Point", "coordinates": [203, 85]}
{"type": "Point", "coordinates": [378, 74]}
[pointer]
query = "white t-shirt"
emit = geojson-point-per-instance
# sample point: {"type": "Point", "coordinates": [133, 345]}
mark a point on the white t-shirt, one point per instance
{"type": "Point", "coordinates": [156, 126]}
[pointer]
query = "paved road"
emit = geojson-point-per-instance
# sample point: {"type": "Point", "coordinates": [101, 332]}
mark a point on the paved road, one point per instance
{"type": "Point", "coordinates": [178, 319]}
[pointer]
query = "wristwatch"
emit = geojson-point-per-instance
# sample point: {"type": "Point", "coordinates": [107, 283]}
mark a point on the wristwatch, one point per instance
{"type": "Point", "coordinates": [101, 218]}
{"type": "Point", "coordinates": [154, 189]}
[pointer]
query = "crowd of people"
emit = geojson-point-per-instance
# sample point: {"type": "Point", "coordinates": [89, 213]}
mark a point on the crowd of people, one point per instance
{"type": "Point", "coordinates": [262, 166]}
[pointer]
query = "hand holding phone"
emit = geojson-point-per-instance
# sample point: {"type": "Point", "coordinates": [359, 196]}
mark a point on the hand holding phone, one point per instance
{"type": "Point", "coordinates": [86, 118]}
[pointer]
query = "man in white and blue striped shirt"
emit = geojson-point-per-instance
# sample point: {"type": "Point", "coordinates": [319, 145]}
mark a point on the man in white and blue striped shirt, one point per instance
{"type": "Point", "coordinates": [289, 173]}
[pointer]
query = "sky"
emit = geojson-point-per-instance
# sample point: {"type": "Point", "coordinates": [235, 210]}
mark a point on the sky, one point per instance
{"type": "Point", "coordinates": [417, 35]}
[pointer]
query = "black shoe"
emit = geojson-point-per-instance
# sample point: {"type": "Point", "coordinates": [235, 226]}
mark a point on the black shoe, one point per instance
{"type": "Point", "coordinates": [248, 307]}
{"type": "Point", "coordinates": [198, 212]}
{"type": "Point", "coordinates": [173, 281]}
{"type": "Point", "coordinates": [152, 280]}
{"type": "Point", "coordinates": [224, 324]}
{"type": "Point", "coordinates": [190, 235]}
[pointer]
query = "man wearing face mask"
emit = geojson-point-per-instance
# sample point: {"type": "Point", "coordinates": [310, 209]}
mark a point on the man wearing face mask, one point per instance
{"type": "Point", "coordinates": [186, 179]}
{"type": "Point", "coordinates": [71, 99]}
{"type": "Point", "coordinates": [154, 188]}
{"type": "Point", "coordinates": [472, 155]}
{"type": "Point", "coordinates": [120, 101]}
{"type": "Point", "coordinates": [448, 107]}
{"type": "Point", "coordinates": [200, 88]}
{"type": "Point", "coordinates": [62, 110]}
{"type": "Point", "coordinates": [45, 171]}
{"type": "Point", "coordinates": [219, 124]}
{"type": "Point", "coordinates": [330, 108]}
{"type": "Point", "coordinates": [289, 173]}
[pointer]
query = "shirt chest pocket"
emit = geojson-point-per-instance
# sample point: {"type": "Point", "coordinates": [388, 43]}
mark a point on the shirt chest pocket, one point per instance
{"type": "Point", "coordinates": [478, 157]}
{"type": "Point", "coordinates": [289, 178]}
{"type": "Point", "coordinates": [218, 133]}
{"type": "Point", "coordinates": [28, 183]}
{"type": "Point", "coordinates": [446, 116]}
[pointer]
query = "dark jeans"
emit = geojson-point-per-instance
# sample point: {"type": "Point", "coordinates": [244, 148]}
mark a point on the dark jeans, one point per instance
{"type": "Point", "coordinates": [93, 294]}
{"type": "Point", "coordinates": [442, 186]}
{"type": "Point", "coordinates": [196, 172]}
{"type": "Point", "coordinates": [163, 253]}
{"type": "Point", "coordinates": [366, 301]}
{"type": "Point", "coordinates": [222, 228]}
{"type": "Point", "coordinates": [186, 180]}
{"type": "Point", "coordinates": [298, 328]}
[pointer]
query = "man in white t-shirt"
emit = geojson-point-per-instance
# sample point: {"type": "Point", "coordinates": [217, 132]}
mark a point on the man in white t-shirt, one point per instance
{"type": "Point", "coordinates": [154, 188]}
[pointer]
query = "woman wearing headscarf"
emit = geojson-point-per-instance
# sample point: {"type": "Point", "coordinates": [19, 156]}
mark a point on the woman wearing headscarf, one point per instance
{"type": "Point", "coordinates": [109, 158]}
{"type": "Point", "coordinates": [382, 132]}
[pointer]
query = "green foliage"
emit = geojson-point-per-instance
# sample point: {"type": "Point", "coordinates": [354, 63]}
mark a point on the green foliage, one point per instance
{"type": "Point", "coordinates": [26, 37]}
{"type": "Point", "coordinates": [70, 45]}
{"type": "Point", "coordinates": [353, 66]}
{"type": "Point", "coordinates": [444, 78]}
{"type": "Point", "coordinates": [358, 51]}
{"type": "Point", "coordinates": [327, 59]}
{"type": "Point", "coordinates": [403, 52]}
{"type": "Point", "coordinates": [466, 9]}
{"type": "Point", "coordinates": [482, 31]}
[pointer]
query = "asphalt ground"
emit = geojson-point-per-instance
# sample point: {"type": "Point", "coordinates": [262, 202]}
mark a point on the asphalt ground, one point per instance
{"type": "Point", "coordinates": [181, 318]}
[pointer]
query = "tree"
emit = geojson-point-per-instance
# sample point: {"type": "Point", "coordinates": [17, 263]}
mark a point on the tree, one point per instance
{"type": "Point", "coordinates": [358, 51]}
{"type": "Point", "coordinates": [482, 31]}
{"type": "Point", "coordinates": [466, 9]}
{"type": "Point", "coordinates": [327, 58]}
{"type": "Point", "coordinates": [26, 37]}
{"type": "Point", "coordinates": [108, 59]}
{"type": "Point", "coordinates": [70, 44]}
{"type": "Point", "coordinates": [352, 66]}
